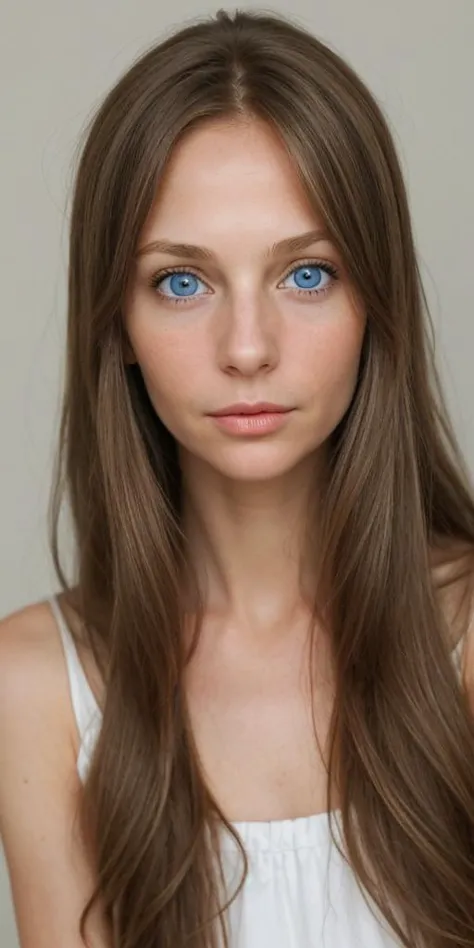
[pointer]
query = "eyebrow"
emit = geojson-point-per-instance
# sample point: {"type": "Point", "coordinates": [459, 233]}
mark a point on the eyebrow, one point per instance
{"type": "Point", "coordinates": [288, 245]}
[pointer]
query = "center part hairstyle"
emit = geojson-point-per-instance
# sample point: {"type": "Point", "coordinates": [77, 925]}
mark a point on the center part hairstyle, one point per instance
{"type": "Point", "coordinates": [396, 488]}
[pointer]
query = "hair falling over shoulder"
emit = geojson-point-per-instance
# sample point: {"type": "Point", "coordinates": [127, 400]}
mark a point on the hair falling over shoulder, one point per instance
{"type": "Point", "coordinates": [402, 737]}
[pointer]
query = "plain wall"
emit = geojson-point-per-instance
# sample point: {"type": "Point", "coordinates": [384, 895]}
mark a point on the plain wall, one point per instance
{"type": "Point", "coordinates": [57, 60]}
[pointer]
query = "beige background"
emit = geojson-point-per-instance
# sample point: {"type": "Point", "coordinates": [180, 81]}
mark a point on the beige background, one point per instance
{"type": "Point", "coordinates": [57, 59]}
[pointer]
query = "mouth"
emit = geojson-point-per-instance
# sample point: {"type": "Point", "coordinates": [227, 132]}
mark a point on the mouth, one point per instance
{"type": "Point", "coordinates": [259, 408]}
{"type": "Point", "coordinates": [257, 423]}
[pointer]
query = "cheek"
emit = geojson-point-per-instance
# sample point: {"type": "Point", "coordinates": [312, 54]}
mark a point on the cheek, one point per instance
{"type": "Point", "coordinates": [332, 356]}
{"type": "Point", "coordinates": [331, 367]}
{"type": "Point", "coordinates": [171, 368]}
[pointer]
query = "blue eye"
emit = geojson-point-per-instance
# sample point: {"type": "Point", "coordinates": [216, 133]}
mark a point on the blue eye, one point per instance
{"type": "Point", "coordinates": [313, 278]}
{"type": "Point", "coordinates": [182, 282]}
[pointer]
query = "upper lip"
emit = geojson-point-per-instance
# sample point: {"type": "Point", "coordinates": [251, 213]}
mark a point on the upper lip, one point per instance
{"type": "Point", "coordinates": [244, 408]}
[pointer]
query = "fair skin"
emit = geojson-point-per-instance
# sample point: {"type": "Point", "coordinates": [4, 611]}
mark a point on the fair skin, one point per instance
{"type": "Point", "coordinates": [249, 331]}
{"type": "Point", "coordinates": [245, 334]}
{"type": "Point", "coordinates": [249, 336]}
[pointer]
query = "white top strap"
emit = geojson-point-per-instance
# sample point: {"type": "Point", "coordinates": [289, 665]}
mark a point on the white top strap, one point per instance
{"type": "Point", "coordinates": [83, 701]}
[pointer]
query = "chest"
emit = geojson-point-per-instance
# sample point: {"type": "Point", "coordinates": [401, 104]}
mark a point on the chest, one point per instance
{"type": "Point", "coordinates": [250, 718]}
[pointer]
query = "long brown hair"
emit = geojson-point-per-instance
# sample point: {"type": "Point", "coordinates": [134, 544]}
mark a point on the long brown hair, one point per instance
{"type": "Point", "coordinates": [397, 488]}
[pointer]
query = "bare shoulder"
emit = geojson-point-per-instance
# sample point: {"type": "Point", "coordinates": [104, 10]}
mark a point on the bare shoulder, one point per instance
{"type": "Point", "coordinates": [39, 786]}
{"type": "Point", "coordinates": [27, 636]}
{"type": "Point", "coordinates": [33, 677]}
{"type": "Point", "coordinates": [31, 663]}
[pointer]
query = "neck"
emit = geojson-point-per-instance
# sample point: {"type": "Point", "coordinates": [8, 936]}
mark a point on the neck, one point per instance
{"type": "Point", "coordinates": [247, 542]}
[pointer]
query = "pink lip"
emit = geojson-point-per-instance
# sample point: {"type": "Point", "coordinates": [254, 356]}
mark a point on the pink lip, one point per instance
{"type": "Point", "coordinates": [259, 423]}
{"type": "Point", "coordinates": [243, 408]}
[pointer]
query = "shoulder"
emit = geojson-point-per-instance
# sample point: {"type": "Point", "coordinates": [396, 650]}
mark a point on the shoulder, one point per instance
{"type": "Point", "coordinates": [40, 789]}
{"type": "Point", "coordinates": [34, 688]}
{"type": "Point", "coordinates": [30, 651]}
{"type": "Point", "coordinates": [32, 654]}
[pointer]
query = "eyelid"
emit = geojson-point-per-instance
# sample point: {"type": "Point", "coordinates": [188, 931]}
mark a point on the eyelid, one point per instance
{"type": "Point", "coordinates": [183, 268]}
{"type": "Point", "coordinates": [332, 268]}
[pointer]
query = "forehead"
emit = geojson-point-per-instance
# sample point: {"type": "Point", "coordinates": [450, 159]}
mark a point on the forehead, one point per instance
{"type": "Point", "coordinates": [224, 174]}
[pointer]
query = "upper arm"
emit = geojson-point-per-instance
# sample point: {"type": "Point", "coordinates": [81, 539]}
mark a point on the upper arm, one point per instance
{"type": "Point", "coordinates": [50, 877]}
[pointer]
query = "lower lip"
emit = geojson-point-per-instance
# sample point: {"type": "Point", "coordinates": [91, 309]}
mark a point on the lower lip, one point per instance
{"type": "Point", "coordinates": [262, 423]}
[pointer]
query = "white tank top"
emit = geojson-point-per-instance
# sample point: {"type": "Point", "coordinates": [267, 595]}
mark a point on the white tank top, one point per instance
{"type": "Point", "coordinates": [299, 893]}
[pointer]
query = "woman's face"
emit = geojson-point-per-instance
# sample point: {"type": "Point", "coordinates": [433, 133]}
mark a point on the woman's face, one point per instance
{"type": "Point", "coordinates": [241, 323]}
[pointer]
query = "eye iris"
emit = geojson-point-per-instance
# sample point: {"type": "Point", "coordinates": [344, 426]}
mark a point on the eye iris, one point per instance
{"type": "Point", "coordinates": [184, 284]}
{"type": "Point", "coordinates": [182, 281]}
{"type": "Point", "coordinates": [309, 273]}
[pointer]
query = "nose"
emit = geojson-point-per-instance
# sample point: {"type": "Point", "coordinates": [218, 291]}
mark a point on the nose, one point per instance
{"type": "Point", "coordinates": [248, 340]}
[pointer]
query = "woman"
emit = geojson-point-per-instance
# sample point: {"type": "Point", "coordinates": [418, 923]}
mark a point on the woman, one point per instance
{"type": "Point", "coordinates": [263, 730]}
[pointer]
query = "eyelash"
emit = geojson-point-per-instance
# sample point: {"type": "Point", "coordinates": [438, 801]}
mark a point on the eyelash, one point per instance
{"type": "Point", "coordinates": [328, 268]}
